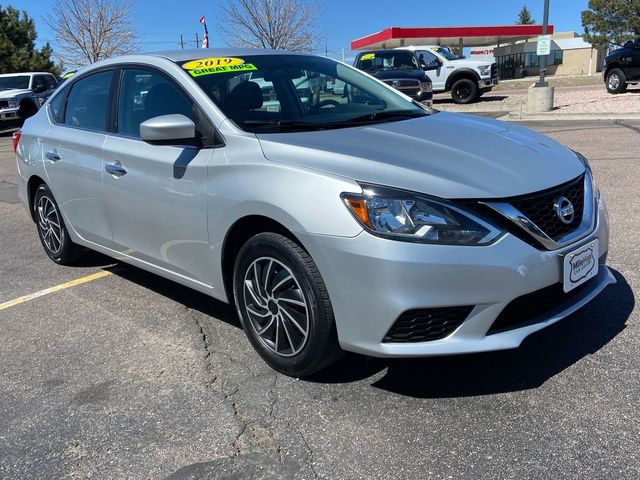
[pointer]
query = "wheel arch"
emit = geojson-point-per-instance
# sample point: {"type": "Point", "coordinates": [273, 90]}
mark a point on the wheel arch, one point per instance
{"type": "Point", "coordinates": [32, 186]}
{"type": "Point", "coordinates": [242, 230]}
{"type": "Point", "coordinates": [459, 74]}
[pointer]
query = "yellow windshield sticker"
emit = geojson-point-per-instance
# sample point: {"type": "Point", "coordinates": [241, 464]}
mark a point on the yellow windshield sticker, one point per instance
{"type": "Point", "coordinates": [212, 62]}
{"type": "Point", "coordinates": [245, 67]}
{"type": "Point", "coordinates": [368, 56]}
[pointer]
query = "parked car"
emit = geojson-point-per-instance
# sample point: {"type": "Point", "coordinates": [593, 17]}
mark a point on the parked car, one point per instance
{"type": "Point", "coordinates": [622, 67]}
{"type": "Point", "coordinates": [466, 79]}
{"type": "Point", "coordinates": [368, 223]}
{"type": "Point", "coordinates": [22, 94]}
{"type": "Point", "coordinates": [399, 70]}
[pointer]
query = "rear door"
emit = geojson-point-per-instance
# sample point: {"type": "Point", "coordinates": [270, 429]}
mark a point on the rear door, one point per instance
{"type": "Point", "coordinates": [73, 154]}
{"type": "Point", "coordinates": [635, 61]}
{"type": "Point", "coordinates": [158, 201]}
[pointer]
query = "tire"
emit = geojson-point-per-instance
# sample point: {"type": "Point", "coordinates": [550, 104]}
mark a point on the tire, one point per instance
{"type": "Point", "coordinates": [284, 306]}
{"type": "Point", "coordinates": [464, 91]}
{"type": "Point", "coordinates": [616, 81]}
{"type": "Point", "coordinates": [52, 231]}
{"type": "Point", "coordinates": [26, 110]}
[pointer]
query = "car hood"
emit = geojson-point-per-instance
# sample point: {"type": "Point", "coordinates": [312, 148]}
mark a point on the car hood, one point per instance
{"type": "Point", "coordinates": [465, 62]}
{"type": "Point", "coordinates": [444, 154]}
{"type": "Point", "coordinates": [12, 92]}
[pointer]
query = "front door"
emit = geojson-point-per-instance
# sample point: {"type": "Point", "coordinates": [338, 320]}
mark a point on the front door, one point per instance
{"type": "Point", "coordinates": [439, 76]}
{"type": "Point", "coordinates": [157, 195]}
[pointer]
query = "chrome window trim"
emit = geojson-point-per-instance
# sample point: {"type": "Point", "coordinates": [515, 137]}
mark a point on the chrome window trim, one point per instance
{"type": "Point", "coordinates": [585, 228]}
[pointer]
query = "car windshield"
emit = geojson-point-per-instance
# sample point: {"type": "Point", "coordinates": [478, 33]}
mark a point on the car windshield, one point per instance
{"type": "Point", "coordinates": [19, 82]}
{"type": "Point", "coordinates": [387, 60]}
{"type": "Point", "coordinates": [286, 93]}
{"type": "Point", "coordinates": [446, 53]}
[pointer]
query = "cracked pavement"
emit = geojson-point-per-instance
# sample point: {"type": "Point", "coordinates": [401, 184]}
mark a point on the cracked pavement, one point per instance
{"type": "Point", "coordinates": [133, 376]}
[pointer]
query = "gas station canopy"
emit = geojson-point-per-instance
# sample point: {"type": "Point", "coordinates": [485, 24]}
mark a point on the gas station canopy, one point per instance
{"type": "Point", "coordinates": [448, 36]}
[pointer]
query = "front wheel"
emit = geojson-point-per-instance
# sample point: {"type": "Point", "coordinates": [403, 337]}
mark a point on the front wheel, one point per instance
{"type": "Point", "coordinates": [464, 91]}
{"type": "Point", "coordinates": [284, 306]}
{"type": "Point", "coordinates": [616, 81]}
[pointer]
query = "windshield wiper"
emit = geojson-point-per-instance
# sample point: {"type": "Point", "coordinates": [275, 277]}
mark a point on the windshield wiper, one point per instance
{"type": "Point", "coordinates": [285, 124]}
{"type": "Point", "coordinates": [378, 116]}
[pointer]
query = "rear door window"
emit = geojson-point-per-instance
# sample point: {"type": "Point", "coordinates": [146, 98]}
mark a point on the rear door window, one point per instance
{"type": "Point", "coordinates": [88, 102]}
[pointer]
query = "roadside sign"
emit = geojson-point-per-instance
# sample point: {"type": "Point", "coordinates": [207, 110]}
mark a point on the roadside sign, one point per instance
{"type": "Point", "coordinates": [544, 45]}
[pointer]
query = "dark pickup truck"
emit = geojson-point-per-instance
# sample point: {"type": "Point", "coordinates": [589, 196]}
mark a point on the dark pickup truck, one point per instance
{"type": "Point", "coordinates": [398, 69]}
{"type": "Point", "coordinates": [622, 67]}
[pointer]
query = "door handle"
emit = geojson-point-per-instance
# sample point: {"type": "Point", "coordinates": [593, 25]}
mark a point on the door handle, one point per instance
{"type": "Point", "coordinates": [115, 168]}
{"type": "Point", "coordinates": [52, 155]}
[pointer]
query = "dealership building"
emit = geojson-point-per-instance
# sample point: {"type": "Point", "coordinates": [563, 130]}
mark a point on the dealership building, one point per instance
{"type": "Point", "coordinates": [512, 46]}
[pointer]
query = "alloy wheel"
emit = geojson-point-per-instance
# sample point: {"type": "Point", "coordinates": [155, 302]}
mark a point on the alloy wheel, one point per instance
{"type": "Point", "coordinates": [49, 224]}
{"type": "Point", "coordinates": [276, 306]}
{"type": "Point", "coordinates": [614, 81]}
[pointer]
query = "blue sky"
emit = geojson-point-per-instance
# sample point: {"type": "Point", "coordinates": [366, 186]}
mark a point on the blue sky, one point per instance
{"type": "Point", "coordinates": [161, 22]}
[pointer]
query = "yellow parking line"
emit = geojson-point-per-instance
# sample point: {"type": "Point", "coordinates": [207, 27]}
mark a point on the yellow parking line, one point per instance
{"type": "Point", "coordinates": [57, 288]}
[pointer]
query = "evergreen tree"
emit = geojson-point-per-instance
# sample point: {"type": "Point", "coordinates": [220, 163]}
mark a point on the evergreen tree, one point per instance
{"type": "Point", "coordinates": [18, 51]}
{"type": "Point", "coordinates": [611, 21]}
{"type": "Point", "coordinates": [524, 17]}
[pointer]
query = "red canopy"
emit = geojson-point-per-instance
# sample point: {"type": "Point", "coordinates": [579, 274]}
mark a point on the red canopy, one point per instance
{"type": "Point", "coordinates": [470, 36]}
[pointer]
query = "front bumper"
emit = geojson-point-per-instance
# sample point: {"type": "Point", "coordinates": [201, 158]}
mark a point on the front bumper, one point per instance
{"type": "Point", "coordinates": [9, 114]}
{"type": "Point", "coordinates": [488, 83]}
{"type": "Point", "coordinates": [372, 281]}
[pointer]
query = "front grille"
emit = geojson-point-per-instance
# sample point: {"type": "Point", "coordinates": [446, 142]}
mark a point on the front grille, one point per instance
{"type": "Point", "coordinates": [427, 324]}
{"type": "Point", "coordinates": [535, 307]}
{"type": "Point", "coordinates": [4, 103]}
{"type": "Point", "coordinates": [539, 208]}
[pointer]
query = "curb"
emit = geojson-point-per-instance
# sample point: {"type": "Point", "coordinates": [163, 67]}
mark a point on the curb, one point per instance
{"type": "Point", "coordinates": [533, 117]}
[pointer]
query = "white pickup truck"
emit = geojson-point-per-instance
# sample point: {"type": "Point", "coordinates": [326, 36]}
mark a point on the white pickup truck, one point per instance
{"type": "Point", "coordinates": [465, 79]}
{"type": "Point", "coordinates": [22, 94]}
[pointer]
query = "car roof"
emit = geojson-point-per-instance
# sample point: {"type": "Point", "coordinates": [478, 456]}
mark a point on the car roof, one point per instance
{"type": "Point", "coordinates": [193, 53]}
{"type": "Point", "coordinates": [24, 73]}
{"type": "Point", "coordinates": [380, 50]}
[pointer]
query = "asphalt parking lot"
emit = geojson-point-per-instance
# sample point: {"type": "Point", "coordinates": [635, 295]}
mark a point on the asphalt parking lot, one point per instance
{"type": "Point", "coordinates": [133, 376]}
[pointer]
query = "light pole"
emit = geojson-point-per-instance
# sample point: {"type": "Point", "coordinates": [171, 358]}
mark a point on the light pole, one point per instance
{"type": "Point", "coordinates": [543, 59]}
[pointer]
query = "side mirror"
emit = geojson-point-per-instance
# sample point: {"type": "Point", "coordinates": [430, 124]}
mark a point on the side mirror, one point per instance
{"type": "Point", "coordinates": [432, 65]}
{"type": "Point", "coordinates": [39, 89]}
{"type": "Point", "coordinates": [169, 130]}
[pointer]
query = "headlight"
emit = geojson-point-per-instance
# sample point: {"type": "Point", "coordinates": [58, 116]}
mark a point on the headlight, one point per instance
{"type": "Point", "coordinates": [412, 217]}
{"type": "Point", "coordinates": [484, 70]}
{"type": "Point", "coordinates": [585, 162]}
{"type": "Point", "coordinates": [12, 103]}
{"type": "Point", "coordinates": [426, 86]}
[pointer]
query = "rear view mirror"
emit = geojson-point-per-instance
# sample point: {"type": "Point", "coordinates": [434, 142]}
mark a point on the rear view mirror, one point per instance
{"type": "Point", "coordinates": [168, 130]}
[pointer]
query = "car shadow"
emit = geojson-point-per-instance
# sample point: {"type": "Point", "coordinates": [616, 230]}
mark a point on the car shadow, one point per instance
{"type": "Point", "coordinates": [540, 357]}
{"type": "Point", "coordinates": [483, 99]}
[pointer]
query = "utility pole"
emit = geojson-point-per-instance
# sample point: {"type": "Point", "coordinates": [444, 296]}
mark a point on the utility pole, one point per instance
{"type": "Point", "coordinates": [197, 41]}
{"type": "Point", "coordinates": [543, 58]}
{"type": "Point", "coordinates": [540, 95]}
{"type": "Point", "coordinates": [181, 42]}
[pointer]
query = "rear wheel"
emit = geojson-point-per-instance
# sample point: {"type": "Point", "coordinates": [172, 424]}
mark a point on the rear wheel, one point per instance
{"type": "Point", "coordinates": [464, 91]}
{"type": "Point", "coordinates": [284, 306]}
{"type": "Point", "coordinates": [616, 81]}
{"type": "Point", "coordinates": [51, 229]}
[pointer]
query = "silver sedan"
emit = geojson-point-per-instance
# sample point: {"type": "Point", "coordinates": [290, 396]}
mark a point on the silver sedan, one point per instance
{"type": "Point", "coordinates": [352, 220]}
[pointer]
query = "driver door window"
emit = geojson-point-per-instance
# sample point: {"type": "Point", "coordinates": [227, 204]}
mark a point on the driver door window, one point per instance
{"type": "Point", "coordinates": [146, 94]}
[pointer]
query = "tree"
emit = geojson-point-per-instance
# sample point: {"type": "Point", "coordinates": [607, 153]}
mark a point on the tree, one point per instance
{"type": "Point", "coordinates": [524, 17]}
{"type": "Point", "coordinates": [17, 45]}
{"type": "Point", "coordinates": [611, 21]}
{"type": "Point", "coordinates": [90, 30]}
{"type": "Point", "coordinates": [277, 24]}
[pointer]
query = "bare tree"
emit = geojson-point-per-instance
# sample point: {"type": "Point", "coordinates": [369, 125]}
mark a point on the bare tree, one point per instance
{"type": "Point", "coordinates": [277, 24]}
{"type": "Point", "coordinates": [90, 30]}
